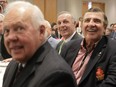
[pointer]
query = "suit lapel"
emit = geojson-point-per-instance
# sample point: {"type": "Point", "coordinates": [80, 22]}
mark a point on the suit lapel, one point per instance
{"type": "Point", "coordinates": [76, 36]}
{"type": "Point", "coordinates": [27, 71]}
{"type": "Point", "coordinates": [58, 46]}
{"type": "Point", "coordinates": [32, 64]}
{"type": "Point", "coordinates": [10, 73]}
{"type": "Point", "coordinates": [73, 51]}
{"type": "Point", "coordinates": [96, 55]}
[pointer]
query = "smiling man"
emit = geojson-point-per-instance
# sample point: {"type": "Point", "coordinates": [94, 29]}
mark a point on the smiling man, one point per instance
{"type": "Point", "coordinates": [67, 28]}
{"type": "Point", "coordinates": [34, 62]}
{"type": "Point", "coordinates": [93, 59]}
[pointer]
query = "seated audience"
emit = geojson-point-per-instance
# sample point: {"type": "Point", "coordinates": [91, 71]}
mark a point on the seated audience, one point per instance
{"type": "Point", "coordinates": [35, 63]}
{"type": "Point", "coordinates": [93, 59]}
{"type": "Point", "coordinates": [53, 42]}
{"type": "Point", "coordinates": [108, 31]}
{"type": "Point", "coordinates": [113, 34]}
{"type": "Point", "coordinates": [67, 27]}
{"type": "Point", "coordinates": [55, 33]}
{"type": "Point", "coordinates": [78, 26]}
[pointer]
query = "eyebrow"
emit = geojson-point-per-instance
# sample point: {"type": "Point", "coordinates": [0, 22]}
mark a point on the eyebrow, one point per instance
{"type": "Point", "coordinates": [14, 24]}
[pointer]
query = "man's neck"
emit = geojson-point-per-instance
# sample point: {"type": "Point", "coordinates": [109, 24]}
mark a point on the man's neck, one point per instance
{"type": "Point", "coordinates": [89, 45]}
{"type": "Point", "coordinates": [69, 37]}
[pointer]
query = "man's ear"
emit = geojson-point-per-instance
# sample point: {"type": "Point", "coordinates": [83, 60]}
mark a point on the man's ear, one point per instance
{"type": "Point", "coordinates": [42, 29]}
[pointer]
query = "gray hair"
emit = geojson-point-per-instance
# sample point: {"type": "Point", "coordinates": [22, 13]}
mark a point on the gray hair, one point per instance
{"type": "Point", "coordinates": [66, 12]}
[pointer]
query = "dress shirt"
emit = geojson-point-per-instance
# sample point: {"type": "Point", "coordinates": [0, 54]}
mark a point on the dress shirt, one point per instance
{"type": "Point", "coordinates": [81, 62]}
{"type": "Point", "coordinates": [68, 39]}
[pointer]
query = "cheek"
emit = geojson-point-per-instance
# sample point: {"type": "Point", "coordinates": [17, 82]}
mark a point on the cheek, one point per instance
{"type": "Point", "coordinates": [29, 48]}
{"type": "Point", "coordinates": [59, 29]}
{"type": "Point", "coordinates": [29, 42]}
{"type": "Point", "coordinates": [101, 30]}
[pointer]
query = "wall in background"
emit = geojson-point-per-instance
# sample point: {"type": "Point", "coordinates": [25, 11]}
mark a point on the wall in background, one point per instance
{"type": "Point", "coordinates": [75, 7]}
{"type": "Point", "coordinates": [48, 8]}
{"type": "Point", "coordinates": [111, 11]}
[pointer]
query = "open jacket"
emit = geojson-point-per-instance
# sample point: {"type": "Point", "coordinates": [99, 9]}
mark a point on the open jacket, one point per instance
{"type": "Point", "coordinates": [45, 69]}
{"type": "Point", "coordinates": [103, 59]}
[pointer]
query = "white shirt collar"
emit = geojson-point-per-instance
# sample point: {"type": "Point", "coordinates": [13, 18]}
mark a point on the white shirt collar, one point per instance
{"type": "Point", "coordinates": [68, 39]}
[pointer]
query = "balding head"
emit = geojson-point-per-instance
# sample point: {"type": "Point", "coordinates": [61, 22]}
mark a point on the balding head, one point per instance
{"type": "Point", "coordinates": [48, 28]}
{"type": "Point", "coordinates": [23, 28]}
{"type": "Point", "coordinates": [25, 10]}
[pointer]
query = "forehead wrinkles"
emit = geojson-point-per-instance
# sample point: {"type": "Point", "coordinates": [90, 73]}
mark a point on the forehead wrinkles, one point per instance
{"type": "Point", "coordinates": [65, 16]}
{"type": "Point", "coordinates": [17, 15]}
{"type": "Point", "coordinates": [94, 15]}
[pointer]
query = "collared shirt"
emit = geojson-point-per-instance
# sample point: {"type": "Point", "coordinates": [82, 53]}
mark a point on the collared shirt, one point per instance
{"type": "Point", "coordinates": [65, 41]}
{"type": "Point", "coordinates": [68, 39]}
{"type": "Point", "coordinates": [81, 62]}
{"type": "Point", "coordinates": [22, 64]}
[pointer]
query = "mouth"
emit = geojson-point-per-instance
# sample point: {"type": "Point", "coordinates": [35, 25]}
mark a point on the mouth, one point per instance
{"type": "Point", "coordinates": [63, 29]}
{"type": "Point", "coordinates": [92, 30]}
{"type": "Point", "coordinates": [16, 48]}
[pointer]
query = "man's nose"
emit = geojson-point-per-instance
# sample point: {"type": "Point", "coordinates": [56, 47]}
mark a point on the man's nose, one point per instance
{"type": "Point", "coordinates": [92, 23]}
{"type": "Point", "coordinates": [11, 37]}
{"type": "Point", "coordinates": [62, 24]}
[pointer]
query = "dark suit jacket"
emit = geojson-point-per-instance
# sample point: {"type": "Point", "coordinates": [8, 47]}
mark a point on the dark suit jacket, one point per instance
{"type": "Point", "coordinates": [76, 36]}
{"type": "Point", "coordinates": [45, 69]}
{"type": "Point", "coordinates": [113, 35]}
{"type": "Point", "coordinates": [103, 56]}
{"type": "Point", "coordinates": [4, 52]}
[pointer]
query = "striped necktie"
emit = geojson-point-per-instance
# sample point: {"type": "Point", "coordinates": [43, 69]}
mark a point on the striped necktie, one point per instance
{"type": "Point", "coordinates": [60, 48]}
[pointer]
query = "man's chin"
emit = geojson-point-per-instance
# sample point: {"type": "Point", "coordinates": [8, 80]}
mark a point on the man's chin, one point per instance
{"type": "Point", "coordinates": [91, 37]}
{"type": "Point", "coordinates": [17, 58]}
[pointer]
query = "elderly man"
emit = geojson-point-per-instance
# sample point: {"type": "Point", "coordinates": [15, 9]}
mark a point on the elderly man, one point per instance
{"type": "Point", "coordinates": [3, 4]}
{"type": "Point", "coordinates": [93, 59]}
{"type": "Point", "coordinates": [113, 34]}
{"type": "Point", "coordinates": [53, 42]}
{"type": "Point", "coordinates": [67, 27]}
{"type": "Point", "coordinates": [35, 63]}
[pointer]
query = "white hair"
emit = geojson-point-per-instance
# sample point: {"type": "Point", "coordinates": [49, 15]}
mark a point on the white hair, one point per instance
{"type": "Point", "coordinates": [35, 13]}
{"type": "Point", "coordinates": [66, 12]}
{"type": "Point", "coordinates": [48, 27]}
{"type": "Point", "coordinates": [47, 24]}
